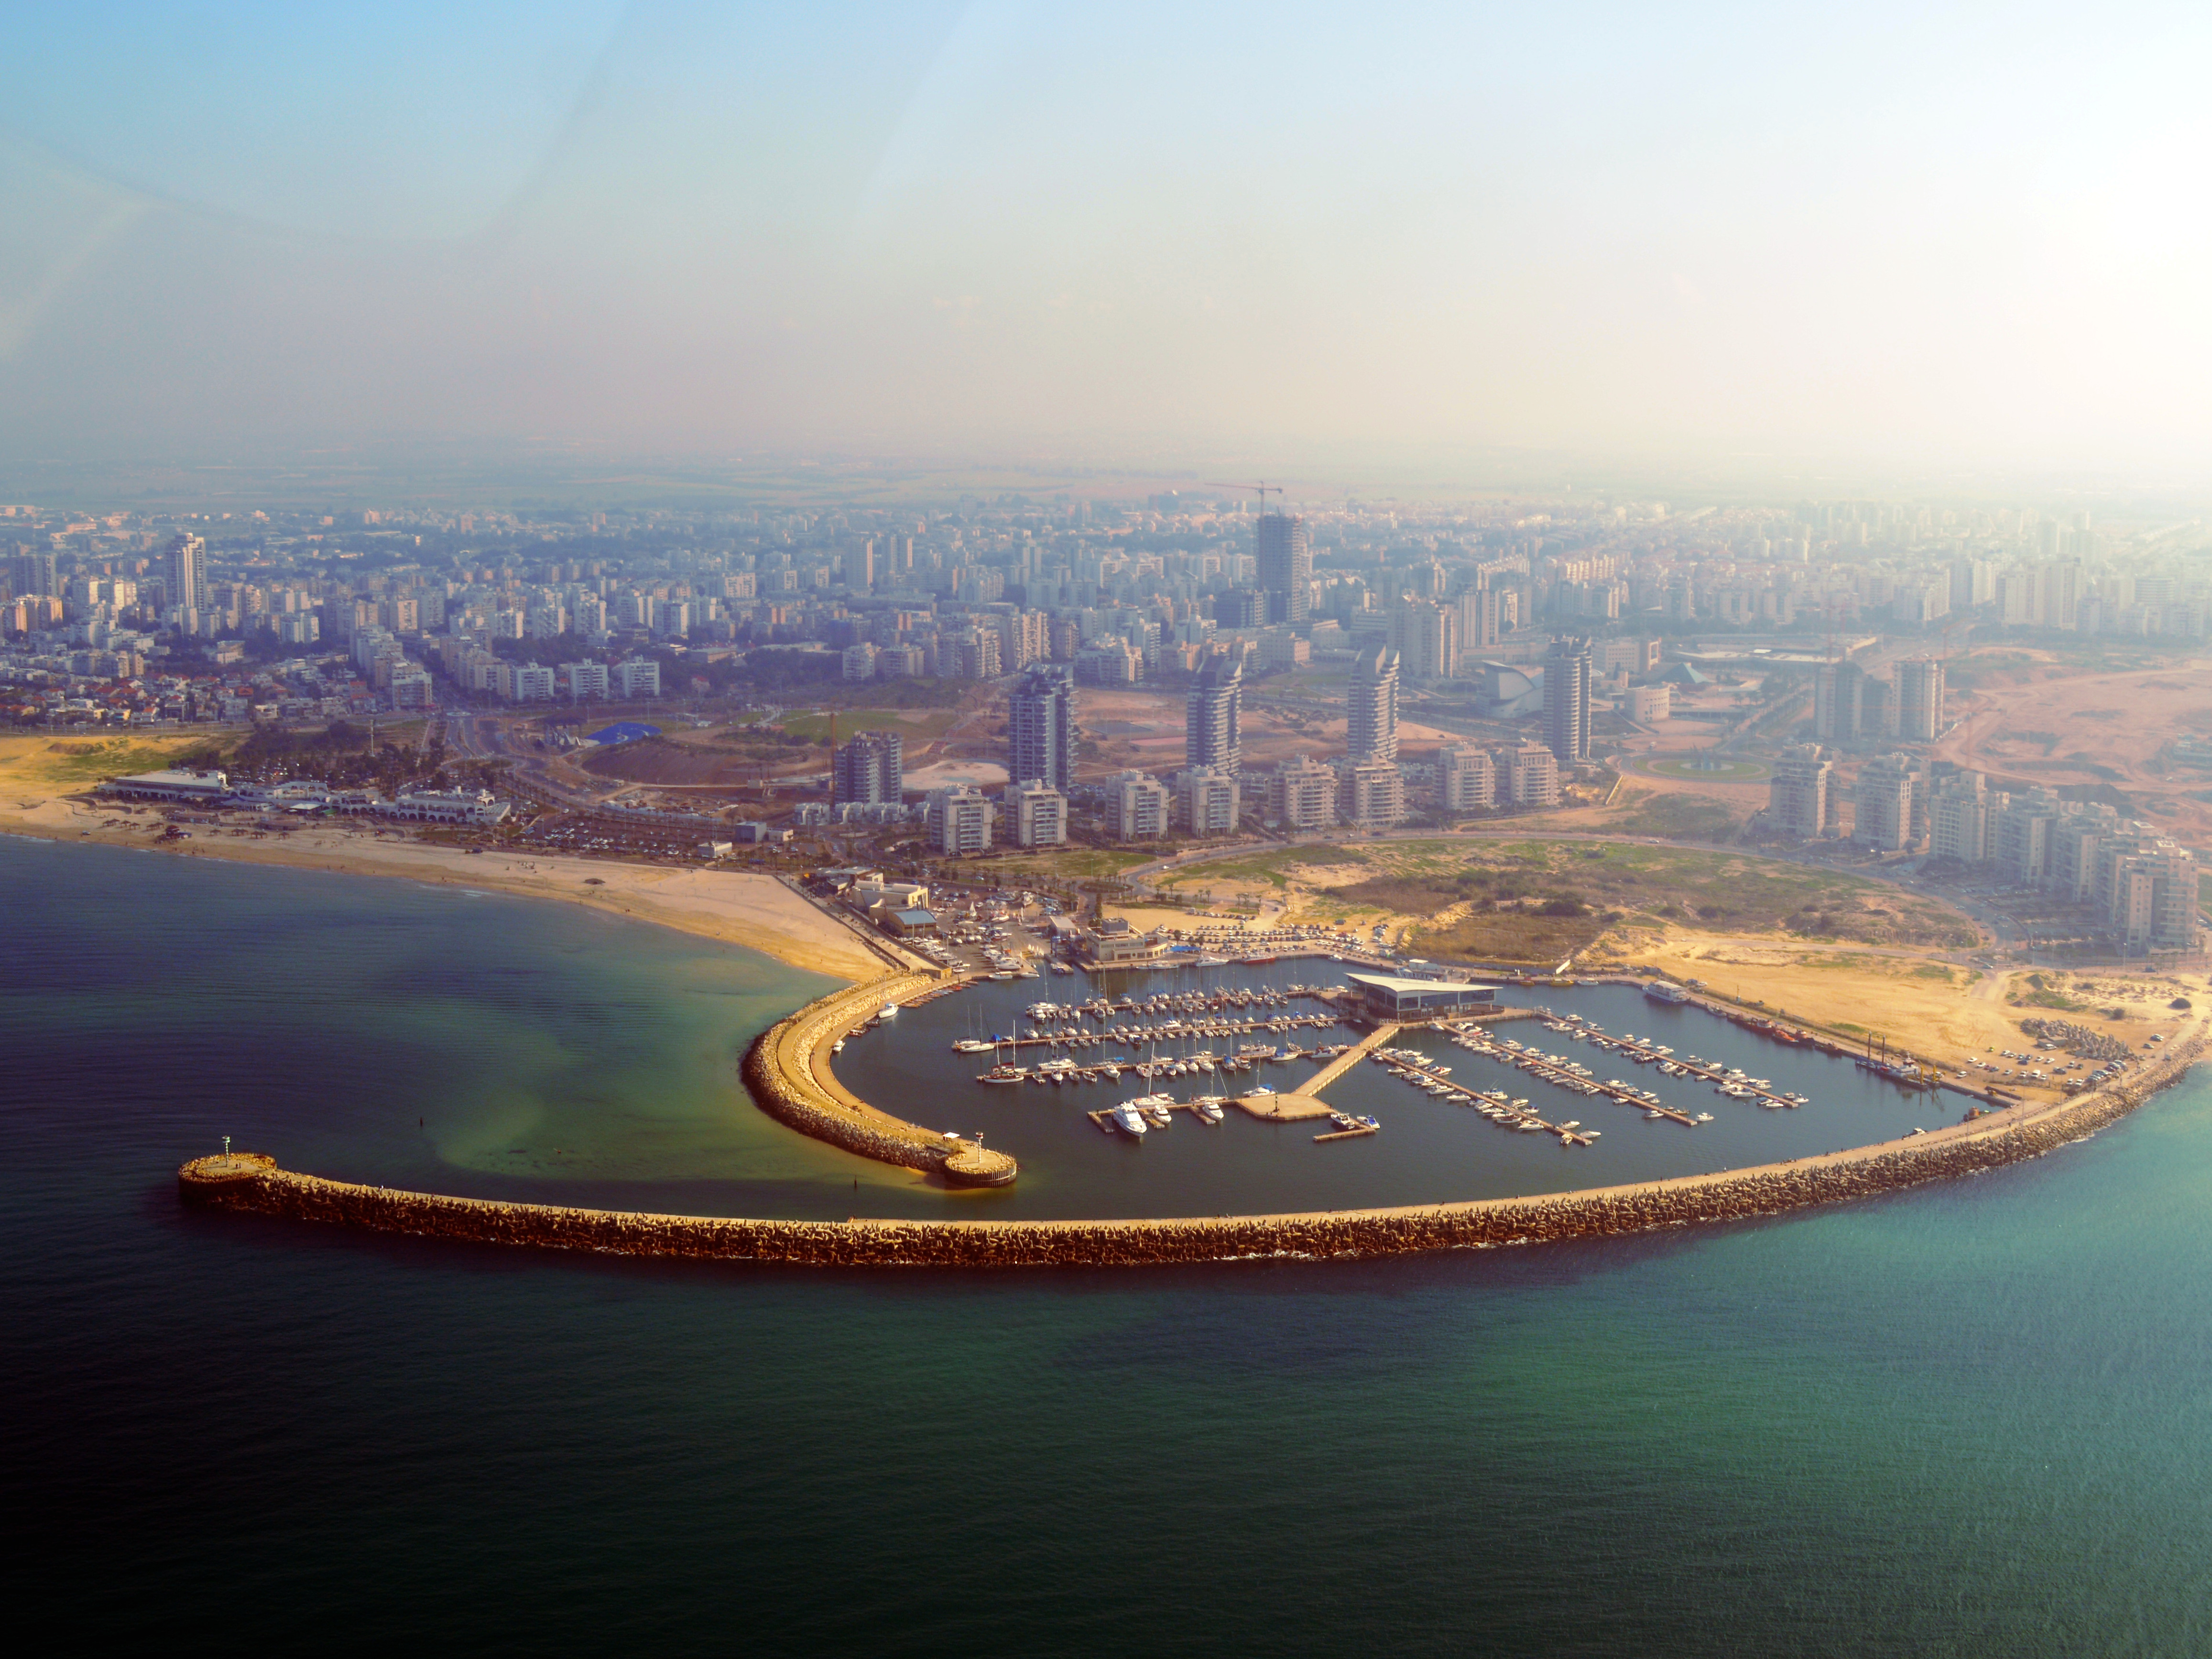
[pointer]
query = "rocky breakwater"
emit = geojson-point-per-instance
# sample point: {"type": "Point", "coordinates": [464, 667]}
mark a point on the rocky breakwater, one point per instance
{"type": "Point", "coordinates": [252, 1181]}
{"type": "Point", "coordinates": [788, 1071]}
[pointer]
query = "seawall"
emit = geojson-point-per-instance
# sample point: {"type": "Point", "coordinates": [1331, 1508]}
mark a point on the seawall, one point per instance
{"type": "Point", "coordinates": [254, 1182]}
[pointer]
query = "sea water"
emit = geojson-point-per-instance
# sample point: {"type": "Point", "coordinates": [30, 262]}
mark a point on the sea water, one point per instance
{"type": "Point", "coordinates": [1969, 1419]}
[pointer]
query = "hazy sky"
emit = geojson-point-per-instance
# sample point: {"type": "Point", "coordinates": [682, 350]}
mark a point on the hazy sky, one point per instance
{"type": "Point", "coordinates": [1881, 232]}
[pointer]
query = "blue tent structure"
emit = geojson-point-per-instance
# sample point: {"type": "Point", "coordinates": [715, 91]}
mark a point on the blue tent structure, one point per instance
{"type": "Point", "coordinates": [624, 731]}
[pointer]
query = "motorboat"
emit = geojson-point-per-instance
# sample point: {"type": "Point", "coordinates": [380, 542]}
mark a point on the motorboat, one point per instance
{"type": "Point", "coordinates": [1129, 1120]}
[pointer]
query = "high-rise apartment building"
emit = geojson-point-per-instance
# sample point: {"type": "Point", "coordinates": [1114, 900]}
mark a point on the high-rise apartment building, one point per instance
{"type": "Point", "coordinates": [1137, 807]}
{"type": "Point", "coordinates": [1373, 794]}
{"type": "Point", "coordinates": [1211, 736]}
{"type": "Point", "coordinates": [1466, 780]}
{"type": "Point", "coordinates": [859, 561]}
{"type": "Point", "coordinates": [1370, 710]}
{"type": "Point", "coordinates": [2071, 857]}
{"type": "Point", "coordinates": [184, 573]}
{"type": "Point", "coordinates": [1285, 562]}
{"type": "Point", "coordinates": [1425, 633]}
{"type": "Point", "coordinates": [1041, 727]}
{"type": "Point", "coordinates": [1301, 794]}
{"type": "Point", "coordinates": [2020, 834]}
{"type": "Point", "coordinates": [1919, 699]}
{"type": "Point", "coordinates": [584, 679]}
{"type": "Point", "coordinates": [1531, 775]}
{"type": "Point", "coordinates": [34, 572]}
{"type": "Point", "coordinates": [1039, 812]}
{"type": "Point", "coordinates": [1798, 794]}
{"type": "Point", "coordinates": [1840, 694]}
{"type": "Point", "coordinates": [958, 820]}
{"type": "Point", "coordinates": [870, 770]}
{"type": "Point", "coordinates": [1567, 701]}
{"type": "Point", "coordinates": [1023, 638]}
{"type": "Point", "coordinates": [1206, 801]}
{"type": "Point", "coordinates": [2146, 889]}
{"type": "Point", "coordinates": [1958, 818]}
{"type": "Point", "coordinates": [1884, 804]}
{"type": "Point", "coordinates": [1478, 619]}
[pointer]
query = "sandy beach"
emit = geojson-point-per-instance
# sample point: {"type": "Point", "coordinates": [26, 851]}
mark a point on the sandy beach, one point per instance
{"type": "Point", "coordinates": [756, 911]}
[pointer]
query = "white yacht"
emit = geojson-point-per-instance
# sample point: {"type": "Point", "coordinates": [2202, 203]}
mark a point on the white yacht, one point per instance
{"type": "Point", "coordinates": [1129, 1120]}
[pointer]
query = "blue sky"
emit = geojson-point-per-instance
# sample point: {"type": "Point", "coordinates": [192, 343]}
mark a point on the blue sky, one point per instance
{"type": "Point", "coordinates": [1961, 236]}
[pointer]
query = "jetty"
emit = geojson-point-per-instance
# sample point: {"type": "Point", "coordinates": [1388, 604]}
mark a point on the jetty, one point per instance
{"type": "Point", "coordinates": [787, 1071]}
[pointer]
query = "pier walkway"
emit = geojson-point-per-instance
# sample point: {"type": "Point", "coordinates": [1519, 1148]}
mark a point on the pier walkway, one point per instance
{"type": "Point", "coordinates": [1345, 1061]}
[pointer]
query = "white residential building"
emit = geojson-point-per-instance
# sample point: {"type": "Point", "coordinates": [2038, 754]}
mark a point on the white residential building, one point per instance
{"type": "Point", "coordinates": [1206, 801]}
{"type": "Point", "coordinates": [1371, 794]}
{"type": "Point", "coordinates": [1532, 776]}
{"type": "Point", "coordinates": [1039, 812]}
{"type": "Point", "coordinates": [1301, 794]}
{"type": "Point", "coordinates": [1467, 779]}
{"type": "Point", "coordinates": [534, 683]}
{"type": "Point", "coordinates": [1137, 807]}
{"type": "Point", "coordinates": [959, 820]}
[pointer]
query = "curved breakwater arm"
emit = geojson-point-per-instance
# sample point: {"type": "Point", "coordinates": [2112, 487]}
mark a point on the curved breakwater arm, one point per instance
{"type": "Point", "coordinates": [252, 1181]}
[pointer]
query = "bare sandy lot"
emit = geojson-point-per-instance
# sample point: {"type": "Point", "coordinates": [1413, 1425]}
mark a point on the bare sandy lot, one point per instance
{"type": "Point", "coordinates": [2035, 724]}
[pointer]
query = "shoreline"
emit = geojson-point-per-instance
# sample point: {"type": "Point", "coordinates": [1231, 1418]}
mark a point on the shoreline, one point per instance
{"type": "Point", "coordinates": [253, 1182]}
{"type": "Point", "coordinates": [758, 911]}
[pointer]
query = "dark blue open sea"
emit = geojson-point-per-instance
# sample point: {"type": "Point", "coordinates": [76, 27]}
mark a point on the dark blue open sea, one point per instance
{"type": "Point", "coordinates": [1973, 1419]}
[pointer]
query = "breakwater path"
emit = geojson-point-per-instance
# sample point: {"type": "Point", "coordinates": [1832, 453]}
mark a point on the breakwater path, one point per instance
{"type": "Point", "coordinates": [254, 1182]}
{"type": "Point", "coordinates": [788, 1071]}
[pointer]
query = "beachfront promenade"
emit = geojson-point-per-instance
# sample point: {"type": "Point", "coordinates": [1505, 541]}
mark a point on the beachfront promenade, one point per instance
{"type": "Point", "coordinates": [254, 1182]}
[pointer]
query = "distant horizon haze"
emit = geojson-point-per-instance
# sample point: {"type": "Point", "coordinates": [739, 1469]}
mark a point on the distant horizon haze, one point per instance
{"type": "Point", "coordinates": [1479, 245]}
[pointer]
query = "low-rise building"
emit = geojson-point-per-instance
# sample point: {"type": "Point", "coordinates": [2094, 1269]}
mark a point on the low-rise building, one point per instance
{"type": "Point", "coordinates": [204, 787]}
{"type": "Point", "coordinates": [1384, 996]}
{"type": "Point", "coordinates": [470, 806]}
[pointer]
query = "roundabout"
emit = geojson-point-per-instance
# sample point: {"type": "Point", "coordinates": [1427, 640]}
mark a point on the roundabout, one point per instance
{"type": "Point", "coordinates": [1701, 766]}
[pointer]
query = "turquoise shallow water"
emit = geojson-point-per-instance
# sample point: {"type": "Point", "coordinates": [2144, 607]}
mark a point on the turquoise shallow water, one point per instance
{"type": "Point", "coordinates": [1968, 1420]}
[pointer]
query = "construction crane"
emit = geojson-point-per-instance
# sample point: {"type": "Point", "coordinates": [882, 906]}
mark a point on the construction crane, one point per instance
{"type": "Point", "coordinates": [1832, 611]}
{"type": "Point", "coordinates": [1263, 488]}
